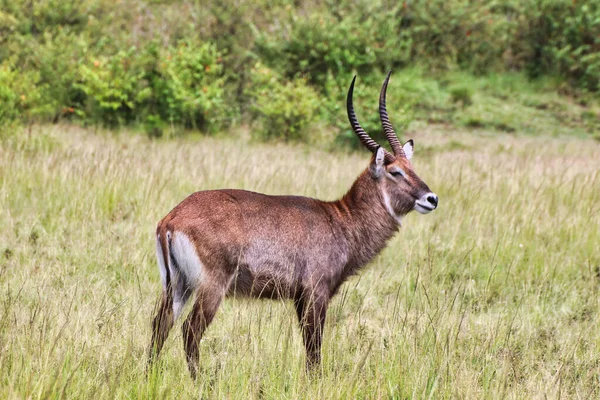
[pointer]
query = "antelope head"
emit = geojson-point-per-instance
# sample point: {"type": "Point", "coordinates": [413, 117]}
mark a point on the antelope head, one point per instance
{"type": "Point", "coordinates": [401, 189]}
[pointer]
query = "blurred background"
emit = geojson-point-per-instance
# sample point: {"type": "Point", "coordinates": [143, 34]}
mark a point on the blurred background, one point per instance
{"type": "Point", "coordinates": [280, 69]}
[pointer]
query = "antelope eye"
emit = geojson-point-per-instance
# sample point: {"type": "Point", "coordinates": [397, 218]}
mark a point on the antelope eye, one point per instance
{"type": "Point", "coordinates": [397, 172]}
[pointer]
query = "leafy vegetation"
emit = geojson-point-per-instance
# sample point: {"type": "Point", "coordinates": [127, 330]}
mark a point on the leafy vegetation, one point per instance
{"type": "Point", "coordinates": [284, 108]}
{"type": "Point", "coordinates": [167, 66]}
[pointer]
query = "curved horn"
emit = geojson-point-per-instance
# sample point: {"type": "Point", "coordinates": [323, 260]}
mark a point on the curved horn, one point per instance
{"type": "Point", "coordinates": [363, 136]}
{"type": "Point", "coordinates": [385, 121]}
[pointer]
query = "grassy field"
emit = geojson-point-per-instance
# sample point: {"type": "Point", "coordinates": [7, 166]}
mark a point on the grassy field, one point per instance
{"type": "Point", "coordinates": [494, 295]}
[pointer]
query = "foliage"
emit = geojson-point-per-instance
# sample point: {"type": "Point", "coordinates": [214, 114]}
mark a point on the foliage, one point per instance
{"type": "Point", "coordinates": [191, 83]}
{"type": "Point", "coordinates": [285, 109]}
{"type": "Point", "coordinates": [564, 37]}
{"type": "Point", "coordinates": [21, 94]}
{"type": "Point", "coordinates": [457, 34]}
{"type": "Point", "coordinates": [320, 45]}
{"type": "Point", "coordinates": [181, 84]}
{"type": "Point", "coordinates": [178, 64]}
{"type": "Point", "coordinates": [112, 88]}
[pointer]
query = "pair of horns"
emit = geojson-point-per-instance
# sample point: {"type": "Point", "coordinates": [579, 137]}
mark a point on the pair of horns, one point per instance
{"type": "Point", "coordinates": [364, 137]}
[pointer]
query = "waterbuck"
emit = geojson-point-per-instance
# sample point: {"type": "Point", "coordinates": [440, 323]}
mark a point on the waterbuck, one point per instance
{"type": "Point", "coordinates": [229, 242]}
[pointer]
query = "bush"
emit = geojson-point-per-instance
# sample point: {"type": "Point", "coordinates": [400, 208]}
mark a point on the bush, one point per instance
{"type": "Point", "coordinates": [58, 56]}
{"type": "Point", "coordinates": [320, 45]}
{"type": "Point", "coordinates": [113, 87]}
{"type": "Point", "coordinates": [181, 85]}
{"type": "Point", "coordinates": [285, 109]}
{"type": "Point", "coordinates": [178, 64]}
{"type": "Point", "coordinates": [563, 37]}
{"type": "Point", "coordinates": [10, 107]}
{"type": "Point", "coordinates": [21, 95]}
{"type": "Point", "coordinates": [190, 85]}
{"type": "Point", "coordinates": [457, 34]}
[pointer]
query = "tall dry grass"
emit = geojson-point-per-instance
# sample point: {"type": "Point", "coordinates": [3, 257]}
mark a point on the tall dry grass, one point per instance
{"type": "Point", "coordinates": [494, 295]}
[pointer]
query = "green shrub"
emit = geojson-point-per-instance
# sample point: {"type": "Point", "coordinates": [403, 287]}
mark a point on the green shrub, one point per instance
{"type": "Point", "coordinates": [189, 64]}
{"type": "Point", "coordinates": [57, 57]}
{"type": "Point", "coordinates": [284, 109]}
{"type": "Point", "coordinates": [563, 37]}
{"type": "Point", "coordinates": [113, 87]}
{"type": "Point", "coordinates": [180, 85]}
{"type": "Point", "coordinates": [322, 44]}
{"type": "Point", "coordinates": [457, 34]}
{"type": "Point", "coordinates": [9, 97]}
{"type": "Point", "coordinates": [191, 85]}
{"type": "Point", "coordinates": [21, 95]}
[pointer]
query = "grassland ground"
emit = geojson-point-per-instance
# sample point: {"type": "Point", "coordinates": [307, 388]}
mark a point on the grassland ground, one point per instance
{"type": "Point", "coordinates": [494, 295]}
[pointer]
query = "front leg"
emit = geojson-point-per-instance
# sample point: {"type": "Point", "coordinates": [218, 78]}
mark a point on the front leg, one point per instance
{"type": "Point", "coordinates": [311, 309]}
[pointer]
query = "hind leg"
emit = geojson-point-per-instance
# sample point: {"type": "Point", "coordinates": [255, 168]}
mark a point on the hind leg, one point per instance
{"type": "Point", "coordinates": [205, 307]}
{"type": "Point", "coordinates": [161, 325]}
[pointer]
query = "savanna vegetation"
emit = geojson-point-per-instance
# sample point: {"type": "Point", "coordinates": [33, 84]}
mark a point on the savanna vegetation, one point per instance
{"type": "Point", "coordinates": [284, 66]}
{"type": "Point", "coordinates": [493, 295]}
{"type": "Point", "coordinates": [111, 112]}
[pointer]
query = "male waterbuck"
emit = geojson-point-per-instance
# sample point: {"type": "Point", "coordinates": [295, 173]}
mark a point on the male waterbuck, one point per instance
{"type": "Point", "coordinates": [229, 242]}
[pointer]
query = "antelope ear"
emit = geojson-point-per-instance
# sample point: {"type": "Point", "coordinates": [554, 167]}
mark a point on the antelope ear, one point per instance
{"type": "Point", "coordinates": [376, 166]}
{"type": "Point", "coordinates": [409, 148]}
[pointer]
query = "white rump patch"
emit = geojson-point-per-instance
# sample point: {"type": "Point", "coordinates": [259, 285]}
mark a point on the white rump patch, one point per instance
{"type": "Point", "coordinates": [388, 206]}
{"type": "Point", "coordinates": [188, 261]}
{"type": "Point", "coordinates": [187, 271]}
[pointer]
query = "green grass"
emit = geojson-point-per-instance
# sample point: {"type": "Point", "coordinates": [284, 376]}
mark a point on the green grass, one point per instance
{"type": "Point", "coordinates": [494, 295]}
{"type": "Point", "coordinates": [507, 102]}
{"type": "Point", "coordinates": [494, 103]}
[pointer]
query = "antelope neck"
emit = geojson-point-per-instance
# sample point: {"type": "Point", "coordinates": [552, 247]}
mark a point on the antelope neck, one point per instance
{"type": "Point", "coordinates": [365, 220]}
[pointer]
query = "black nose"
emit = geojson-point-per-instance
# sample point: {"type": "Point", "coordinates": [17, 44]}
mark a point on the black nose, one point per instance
{"type": "Point", "coordinates": [433, 199]}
